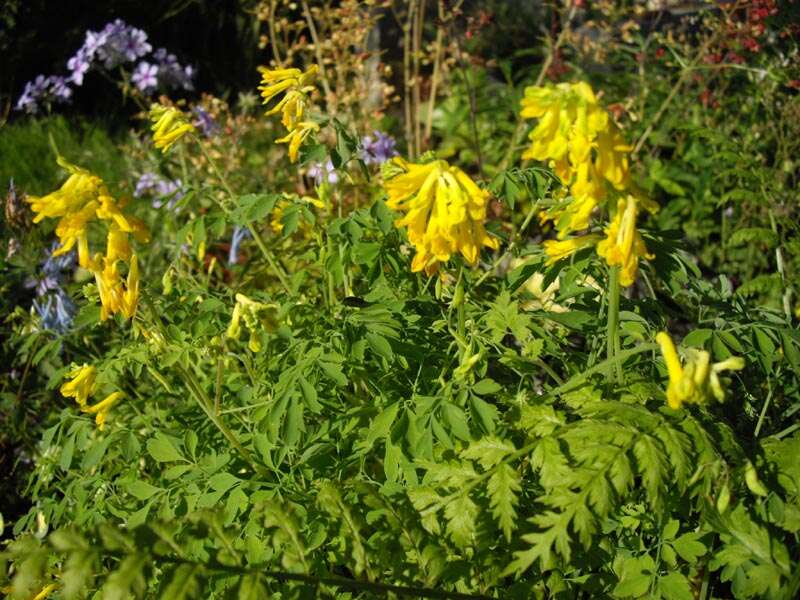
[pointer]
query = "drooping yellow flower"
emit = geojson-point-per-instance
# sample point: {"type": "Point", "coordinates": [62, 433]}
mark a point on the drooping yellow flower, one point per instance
{"type": "Point", "coordinates": [297, 136]}
{"type": "Point", "coordinates": [583, 146]}
{"type": "Point", "coordinates": [697, 380]}
{"type": "Point", "coordinates": [116, 297]}
{"type": "Point", "coordinates": [80, 188]}
{"type": "Point", "coordinates": [102, 408]}
{"type": "Point", "coordinates": [81, 385]}
{"type": "Point", "coordinates": [445, 211]}
{"type": "Point", "coordinates": [557, 250]}
{"type": "Point", "coordinates": [296, 84]}
{"type": "Point", "coordinates": [256, 316]}
{"type": "Point", "coordinates": [85, 198]}
{"type": "Point", "coordinates": [169, 125]}
{"type": "Point", "coordinates": [623, 246]}
{"type": "Point", "coordinates": [72, 229]}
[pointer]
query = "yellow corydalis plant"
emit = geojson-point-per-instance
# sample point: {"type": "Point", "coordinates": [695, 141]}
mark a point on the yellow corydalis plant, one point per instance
{"type": "Point", "coordinates": [698, 379]}
{"type": "Point", "coordinates": [169, 125]}
{"type": "Point", "coordinates": [256, 316]}
{"type": "Point", "coordinates": [82, 199]}
{"type": "Point", "coordinates": [445, 211]}
{"type": "Point", "coordinates": [623, 246]}
{"type": "Point", "coordinates": [81, 386]}
{"type": "Point", "coordinates": [296, 86]}
{"type": "Point", "coordinates": [590, 156]}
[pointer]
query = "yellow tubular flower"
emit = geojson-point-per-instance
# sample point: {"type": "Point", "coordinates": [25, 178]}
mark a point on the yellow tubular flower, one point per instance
{"type": "Point", "coordinates": [297, 136]}
{"type": "Point", "coordinates": [71, 229]}
{"type": "Point", "coordinates": [445, 211]}
{"type": "Point", "coordinates": [102, 408]}
{"type": "Point", "coordinates": [82, 384]}
{"type": "Point", "coordinates": [296, 83]}
{"type": "Point", "coordinates": [130, 298]}
{"type": "Point", "coordinates": [674, 369]}
{"type": "Point", "coordinates": [623, 245]}
{"type": "Point", "coordinates": [698, 379]}
{"type": "Point", "coordinates": [169, 125]}
{"type": "Point", "coordinates": [557, 250]}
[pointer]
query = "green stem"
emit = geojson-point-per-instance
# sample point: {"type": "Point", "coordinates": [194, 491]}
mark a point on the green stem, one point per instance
{"type": "Point", "coordinates": [253, 231]}
{"type": "Point", "coordinates": [205, 404]}
{"type": "Point", "coordinates": [612, 335]}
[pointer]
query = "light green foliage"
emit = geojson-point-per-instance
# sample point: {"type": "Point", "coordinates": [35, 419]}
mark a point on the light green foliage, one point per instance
{"type": "Point", "coordinates": [400, 435]}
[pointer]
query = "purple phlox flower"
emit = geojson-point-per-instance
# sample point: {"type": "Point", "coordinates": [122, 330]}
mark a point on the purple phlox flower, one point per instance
{"type": "Point", "coordinates": [205, 122]}
{"type": "Point", "coordinates": [59, 88]}
{"type": "Point", "coordinates": [151, 184]}
{"type": "Point", "coordinates": [322, 173]}
{"type": "Point", "coordinates": [145, 77]}
{"type": "Point", "coordinates": [145, 185]}
{"type": "Point", "coordinates": [93, 42]}
{"type": "Point", "coordinates": [121, 43]}
{"type": "Point", "coordinates": [80, 64]}
{"type": "Point", "coordinates": [33, 92]}
{"type": "Point", "coordinates": [239, 235]}
{"type": "Point", "coordinates": [170, 72]}
{"type": "Point", "coordinates": [378, 148]}
{"type": "Point", "coordinates": [56, 311]}
{"type": "Point", "coordinates": [43, 90]}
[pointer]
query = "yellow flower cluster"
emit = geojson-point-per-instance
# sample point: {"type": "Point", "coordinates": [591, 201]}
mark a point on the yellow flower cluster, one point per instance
{"type": "Point", "coordinates": [445, 211]}
{"type": "Point", "coordinates": [698, 379]}
{"type": "Point", "coordinates": [169, 125]}
{"type": "Point", "coordinates": [256, 316]}
{"type": "Point", "coordinates": [588, 153]}
{"type": "Point", "coordinates": [82, 386]}
{"type": "Point", "coordinates": [582, 145]}
{"type": "Point", "coordinates": [84, 198]}
{"type": "Point", "coordinates": [296, 85]}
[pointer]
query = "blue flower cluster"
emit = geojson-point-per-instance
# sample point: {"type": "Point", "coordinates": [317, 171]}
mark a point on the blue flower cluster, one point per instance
{"type": "Point", "coordinates": [151, 184]}
{"type": "Point", "coordinates": [53, 305]}
{"type": "Point", "coordinates": [377, 148]}
{"type": "Point", "coordinates": [116, 44]}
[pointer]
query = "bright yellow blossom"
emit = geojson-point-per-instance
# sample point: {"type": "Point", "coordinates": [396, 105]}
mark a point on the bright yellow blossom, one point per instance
{"type": "Point", "coordinates": [296, 84]}
{"type": "Point", "coordinates": [445, 211]}
{"type": "Point", "coordinates": [169, 125]}
{"type": "Point", "coordinates": [557, 250]}
{"type": "Point", "coordinates": [81, 385]}
{"type": "Point", "coordinates": [623, 245]}
{"type": "Point", "coordinates": [583, 146]}
{"type": "Point", "coordinates": [297, 136]}
{"type": "Point", "coordinates": [102, 408]}
{"type": "Point", "coordinates": [82, 199]}
{"type": "Point", "coordinates": [695, 381]}
{"type": "Point", "coordinates": [114, 296]}
{"type": "Point", "coordinates": [80, 188]}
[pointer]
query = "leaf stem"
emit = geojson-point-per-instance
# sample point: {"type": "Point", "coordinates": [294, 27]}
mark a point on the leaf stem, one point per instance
{"type": "Point", "coordinates": [612, 332]}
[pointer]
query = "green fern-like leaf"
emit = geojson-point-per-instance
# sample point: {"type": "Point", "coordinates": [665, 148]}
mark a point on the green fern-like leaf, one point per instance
{"type": "Point", "coordinates": [503, 487]}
